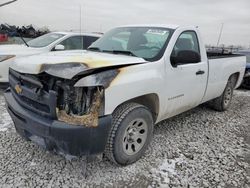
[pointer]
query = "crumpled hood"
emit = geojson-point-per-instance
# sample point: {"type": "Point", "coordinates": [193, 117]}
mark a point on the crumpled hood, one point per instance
{"type": "Point", "coordinates": [69, 64]}
{"type": "Point", "coordinates": [17, 50]}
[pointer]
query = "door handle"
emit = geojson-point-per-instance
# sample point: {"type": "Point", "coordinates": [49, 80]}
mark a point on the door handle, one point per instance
{"type": "Point", "coordinates": [200, 72]}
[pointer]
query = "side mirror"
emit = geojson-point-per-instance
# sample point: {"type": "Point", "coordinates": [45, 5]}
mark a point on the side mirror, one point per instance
{"type": "Point", "coordinates": [185, 57]}
{"type": "Point", "coordinates": [59, 47]}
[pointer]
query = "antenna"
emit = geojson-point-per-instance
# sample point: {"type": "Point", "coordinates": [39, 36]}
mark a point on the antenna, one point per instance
{"type": "Point", "coordinates": [221, 29]}
{"type": "Point", "coordinates": [80, 18]}
{"type": "Point", "coordinates": [81, 37]}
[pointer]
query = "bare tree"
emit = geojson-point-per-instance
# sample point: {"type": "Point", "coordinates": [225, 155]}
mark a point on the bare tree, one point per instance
{"type": "Point", "coordinates": [8, 2]}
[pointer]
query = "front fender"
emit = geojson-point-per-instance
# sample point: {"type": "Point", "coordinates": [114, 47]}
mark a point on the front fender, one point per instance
{"type": "Point", "coordinates": [99, 79]}
{"type": "Point", "coordinates": [132, 82]}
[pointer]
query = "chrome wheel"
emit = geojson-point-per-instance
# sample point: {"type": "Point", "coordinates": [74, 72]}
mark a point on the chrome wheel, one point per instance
{"type": "Point", "coordinates": [135, 136]}
{"type": "Point", "coordinates": [228, 96]}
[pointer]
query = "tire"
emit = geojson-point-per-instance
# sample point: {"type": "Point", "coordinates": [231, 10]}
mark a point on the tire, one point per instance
{"type": "Point", "coordinates": [223, 102]}
{"type": "Point", "coordinates": [131, 133]}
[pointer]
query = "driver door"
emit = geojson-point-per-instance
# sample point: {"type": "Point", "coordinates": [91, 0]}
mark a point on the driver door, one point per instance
{"type": "Point", "coordinates": [187, 78]}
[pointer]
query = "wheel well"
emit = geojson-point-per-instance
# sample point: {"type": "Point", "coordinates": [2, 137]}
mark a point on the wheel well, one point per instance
{"type": "Point", "coordinates": [151, 101]}
{"type": "Point", "coordinates": [234, 78]}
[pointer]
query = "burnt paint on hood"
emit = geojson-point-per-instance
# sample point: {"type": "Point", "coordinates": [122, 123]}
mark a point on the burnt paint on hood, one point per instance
{"type": "Point", "coordinates": [65, 70]}
{"type": "Point", "coordinates": [69, 64]}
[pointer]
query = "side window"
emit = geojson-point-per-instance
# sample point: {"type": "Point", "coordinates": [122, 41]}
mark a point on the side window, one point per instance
{"type": "Point", "coordinates": [88, 40]}
{"type": "Point", "coordinates": [186, 49]}
{"type": "Point", "coordinates": [73, 43]}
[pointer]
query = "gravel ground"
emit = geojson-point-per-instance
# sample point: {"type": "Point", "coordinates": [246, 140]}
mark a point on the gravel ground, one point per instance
{"type": "Point", "coordinates": [200, 148]}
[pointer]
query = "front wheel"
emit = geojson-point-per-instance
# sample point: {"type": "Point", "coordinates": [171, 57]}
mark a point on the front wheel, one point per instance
{"type": "Point", "coordinates": [131, 133]}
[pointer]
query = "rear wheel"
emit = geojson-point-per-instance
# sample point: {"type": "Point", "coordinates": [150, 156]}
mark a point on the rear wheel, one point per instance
{"type": "Point", "coordinates": [223, 102]}
{"type": "Point", "coordinates": [132, 130]}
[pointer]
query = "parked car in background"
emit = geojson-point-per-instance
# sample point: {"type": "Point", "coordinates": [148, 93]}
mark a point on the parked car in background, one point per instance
{"type": "Point", "coordinates": [3, 37]}
{"type": "Point", "coordinates": [108, 98]}
{"type": "Point", "coordinates": [246, 81]}
{"type": "Point", "coordinates": [55, 41]}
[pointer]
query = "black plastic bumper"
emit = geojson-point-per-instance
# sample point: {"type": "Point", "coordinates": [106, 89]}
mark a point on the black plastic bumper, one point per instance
{"type": "Point", "coordinates": [56, 135]}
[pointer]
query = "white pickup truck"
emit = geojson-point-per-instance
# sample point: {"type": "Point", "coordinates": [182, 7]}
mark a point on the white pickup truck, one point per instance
{"type": "Point", "coordinates": [108, 98]}
{"type": "Point", "coordinates": [55, 41]}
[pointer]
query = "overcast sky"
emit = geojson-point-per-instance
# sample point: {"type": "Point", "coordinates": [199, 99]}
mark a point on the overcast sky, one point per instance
{"type": "Point", "coordinates": [102, 15]}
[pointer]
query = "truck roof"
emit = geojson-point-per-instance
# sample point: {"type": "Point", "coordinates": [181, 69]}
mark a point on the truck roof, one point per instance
{"type": "Point", "coordinates": [153, 25]}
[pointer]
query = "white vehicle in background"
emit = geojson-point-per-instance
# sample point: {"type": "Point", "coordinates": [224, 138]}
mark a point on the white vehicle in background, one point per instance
{"type": "Point", "coordinates": [108, 98]}
{"type": "Point", "coordinates": [55, 41]}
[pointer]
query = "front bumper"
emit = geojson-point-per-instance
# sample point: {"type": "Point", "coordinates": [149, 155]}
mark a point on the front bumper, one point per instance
{"type": "Point", "coordinates": [56, 135]}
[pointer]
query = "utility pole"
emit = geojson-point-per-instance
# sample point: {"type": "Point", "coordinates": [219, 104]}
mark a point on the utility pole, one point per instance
{"type": "Point", "coordinates": [101, 28]}
{"type": "Point", "coordinates": [9, 2]}
{"type": "Point", "coordinates": [221, 29]}
{"type": "Point", "coordinates": [80, 18]}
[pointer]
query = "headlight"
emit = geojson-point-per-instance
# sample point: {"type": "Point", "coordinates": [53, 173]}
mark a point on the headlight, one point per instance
{"type": "Point", "coordinates": [6, 57]}
{"type": "Point", "coordinates": [80, 106]}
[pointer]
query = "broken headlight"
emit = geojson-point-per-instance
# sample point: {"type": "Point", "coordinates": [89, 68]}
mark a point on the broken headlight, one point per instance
{"type": "Point", "coordinates": [80, 106]}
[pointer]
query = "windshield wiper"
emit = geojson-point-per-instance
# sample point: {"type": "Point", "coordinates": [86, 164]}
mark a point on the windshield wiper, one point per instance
{"type": "Point", "coordinates": [22, 39]}
{"type": "Point", "coordinates": [94, 49]}
{"type": "Point", "coordinates": [125, 52]}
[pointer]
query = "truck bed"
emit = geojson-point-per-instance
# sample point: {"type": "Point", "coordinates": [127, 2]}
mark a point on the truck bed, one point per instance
{"type": "Point", "coordinates": [220, 68]}
{"type": "Point", "coordinates": [215, 55]}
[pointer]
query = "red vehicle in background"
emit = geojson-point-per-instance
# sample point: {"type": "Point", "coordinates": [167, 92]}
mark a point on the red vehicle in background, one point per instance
{"type": "Point", "coordinates": [3, 37]}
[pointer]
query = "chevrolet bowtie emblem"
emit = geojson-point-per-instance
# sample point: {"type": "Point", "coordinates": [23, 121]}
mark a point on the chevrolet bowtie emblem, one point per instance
{"type": "Point", "coordinates": [18, 89]}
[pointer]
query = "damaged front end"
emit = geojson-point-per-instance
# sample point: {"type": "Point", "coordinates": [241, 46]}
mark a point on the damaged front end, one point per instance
{"type": "Point", "coordinates": [62, 104]}
{"type": "Point", "coordinates": [74, 105]}
{"type": "Point", "coordinates": [58, 115]}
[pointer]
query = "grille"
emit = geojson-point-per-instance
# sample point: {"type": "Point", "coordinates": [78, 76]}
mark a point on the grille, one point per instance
{"type": "Point", "coordinates": [29, 93]}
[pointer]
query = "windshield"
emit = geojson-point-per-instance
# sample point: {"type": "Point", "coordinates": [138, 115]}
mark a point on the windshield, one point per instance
{"type": "Point", "coordinates": [145, 42]}
{"type": "Point", "coordinates": [44, 40]}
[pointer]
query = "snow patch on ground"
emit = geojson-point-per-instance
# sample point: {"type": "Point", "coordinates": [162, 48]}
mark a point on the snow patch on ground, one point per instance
{"type": "Point", "coordinates": [33, 164]}
{"type": "Point", "coordinates": [5, 120]}
{"type": "Point", "coordinates": [166, 169]}
{"type": "Point", "coordinates": [244, 93]}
